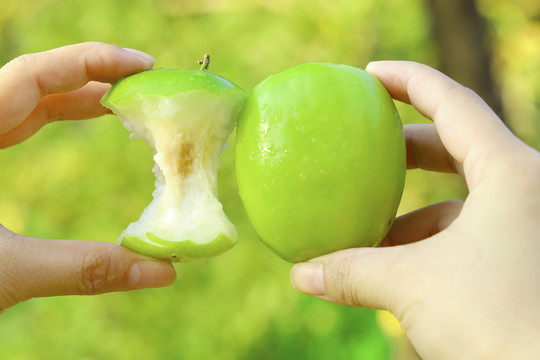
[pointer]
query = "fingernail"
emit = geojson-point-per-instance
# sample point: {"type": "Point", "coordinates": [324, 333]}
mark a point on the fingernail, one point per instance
{"type": "Point", "coordinates": [308, 278]}
{"type": "Point", "coordinates": [150, 274]}
{"type": "Point", "coordinates": [147, 58]}
{"type": "Point", "coordinates": [370, 65]}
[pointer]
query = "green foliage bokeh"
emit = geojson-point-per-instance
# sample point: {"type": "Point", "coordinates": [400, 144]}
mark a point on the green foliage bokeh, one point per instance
{"type": "Point", "coordinates": [86, 180]}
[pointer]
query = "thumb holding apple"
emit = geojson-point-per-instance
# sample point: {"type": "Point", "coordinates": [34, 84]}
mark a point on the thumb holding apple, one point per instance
{"type": "Point", "coordinates": [40, 267]}
{"type": "Point", "coordinates": [469, 288]}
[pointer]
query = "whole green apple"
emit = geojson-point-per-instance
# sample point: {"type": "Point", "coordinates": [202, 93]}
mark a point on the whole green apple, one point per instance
{"type": "Point", "coordinates": [320, 159]}
{"type": "Point", "coordinates": [186, 117]}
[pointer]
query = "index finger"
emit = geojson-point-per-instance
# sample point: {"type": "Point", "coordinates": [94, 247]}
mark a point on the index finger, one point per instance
{"type": "Point", "coordinates": [26, 79]}
{"type": "Point", "coordinates": [468, 128]}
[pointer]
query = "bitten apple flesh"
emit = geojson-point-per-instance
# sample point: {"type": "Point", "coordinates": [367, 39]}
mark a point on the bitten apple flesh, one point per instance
{"type": "Point", "coordinates": [187, 132]}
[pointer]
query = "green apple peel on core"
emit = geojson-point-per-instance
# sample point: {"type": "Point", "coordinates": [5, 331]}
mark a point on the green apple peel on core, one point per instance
{"type": "Point", "coordinates": [186, 117]}
{"type": "Point", "coordinates": [320, 160]}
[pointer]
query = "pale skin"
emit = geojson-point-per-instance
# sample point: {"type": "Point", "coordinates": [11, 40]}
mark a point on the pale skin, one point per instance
{"type": "Point", "coordinates": [60, 84]}
{"type": "Point", "coordinates": [463, 278]}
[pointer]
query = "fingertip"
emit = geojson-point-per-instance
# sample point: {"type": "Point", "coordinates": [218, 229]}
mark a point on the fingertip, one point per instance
{"type": "Point", "coordinates": [107, 63]}
{"type": "Point", "coordinates": [380, 67]}
{"type": "Point", "coordinates": [151, 274]}
{"type": "Point", "coordinates": [371, 67]}
{"type": "Point", "coordinates": [390, 73]}
{"type": "Point", "coordinates": [308, 277]}
{"type": "Point", "coordinates": [146, 58]}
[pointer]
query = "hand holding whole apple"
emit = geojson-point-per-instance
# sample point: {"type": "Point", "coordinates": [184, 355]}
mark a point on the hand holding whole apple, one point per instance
{"type": "Point", "coordinates": [462, 278]}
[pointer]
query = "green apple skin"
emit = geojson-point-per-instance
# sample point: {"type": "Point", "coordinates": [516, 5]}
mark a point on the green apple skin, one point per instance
{"type": "Point", "coordinates": [320, 160]}
{"type": "Point", "coordinates": [185, 250]}
{"type": "Point", "coordinates": [166, 82]}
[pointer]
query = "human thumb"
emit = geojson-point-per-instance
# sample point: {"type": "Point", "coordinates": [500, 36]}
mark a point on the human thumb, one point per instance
{"type": "Point", "coordinates": [33, 267]}
{"type": "Point", "coordinates": [364, 277]}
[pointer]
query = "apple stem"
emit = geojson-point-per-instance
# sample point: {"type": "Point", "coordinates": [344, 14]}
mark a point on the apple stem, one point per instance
{"type": "Point", "coordinates": [205, 62]}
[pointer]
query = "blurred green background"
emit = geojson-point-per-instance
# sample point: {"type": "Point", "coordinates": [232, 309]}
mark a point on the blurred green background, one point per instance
{"type": "Point", "coordinates": [86, 180]}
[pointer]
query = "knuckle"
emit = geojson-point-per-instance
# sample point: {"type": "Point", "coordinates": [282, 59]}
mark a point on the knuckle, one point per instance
{"type": "Point", "coordinates": [27, 64]}
{"type": "Point", "coordinates": [344, 280]}
{"type": "Point", "coordinates": [52, 112]}
{"type": "Point", "coordinates": [408, 311]}
{"type": "Point", "coordinates": [97, 56]}
{"type": "Point", "coordinates": [10, 242]}
{"type": "Point", "coordinates": [11, 246]}
{"type": "Point", "coordinates": [96, 273]}
{"type": "Point", "coordinates": [23, 64]}
{"type": "Point", "coordinates": [456, 203]}
{"type": "Point", "coordinates": [92, 47]}
{"type": "Point", "coordinates": [454, 206]}
{"type": "Point", "coordinates": [24, 61]}
{"type": "Point", "coordinates": [448, 212]}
